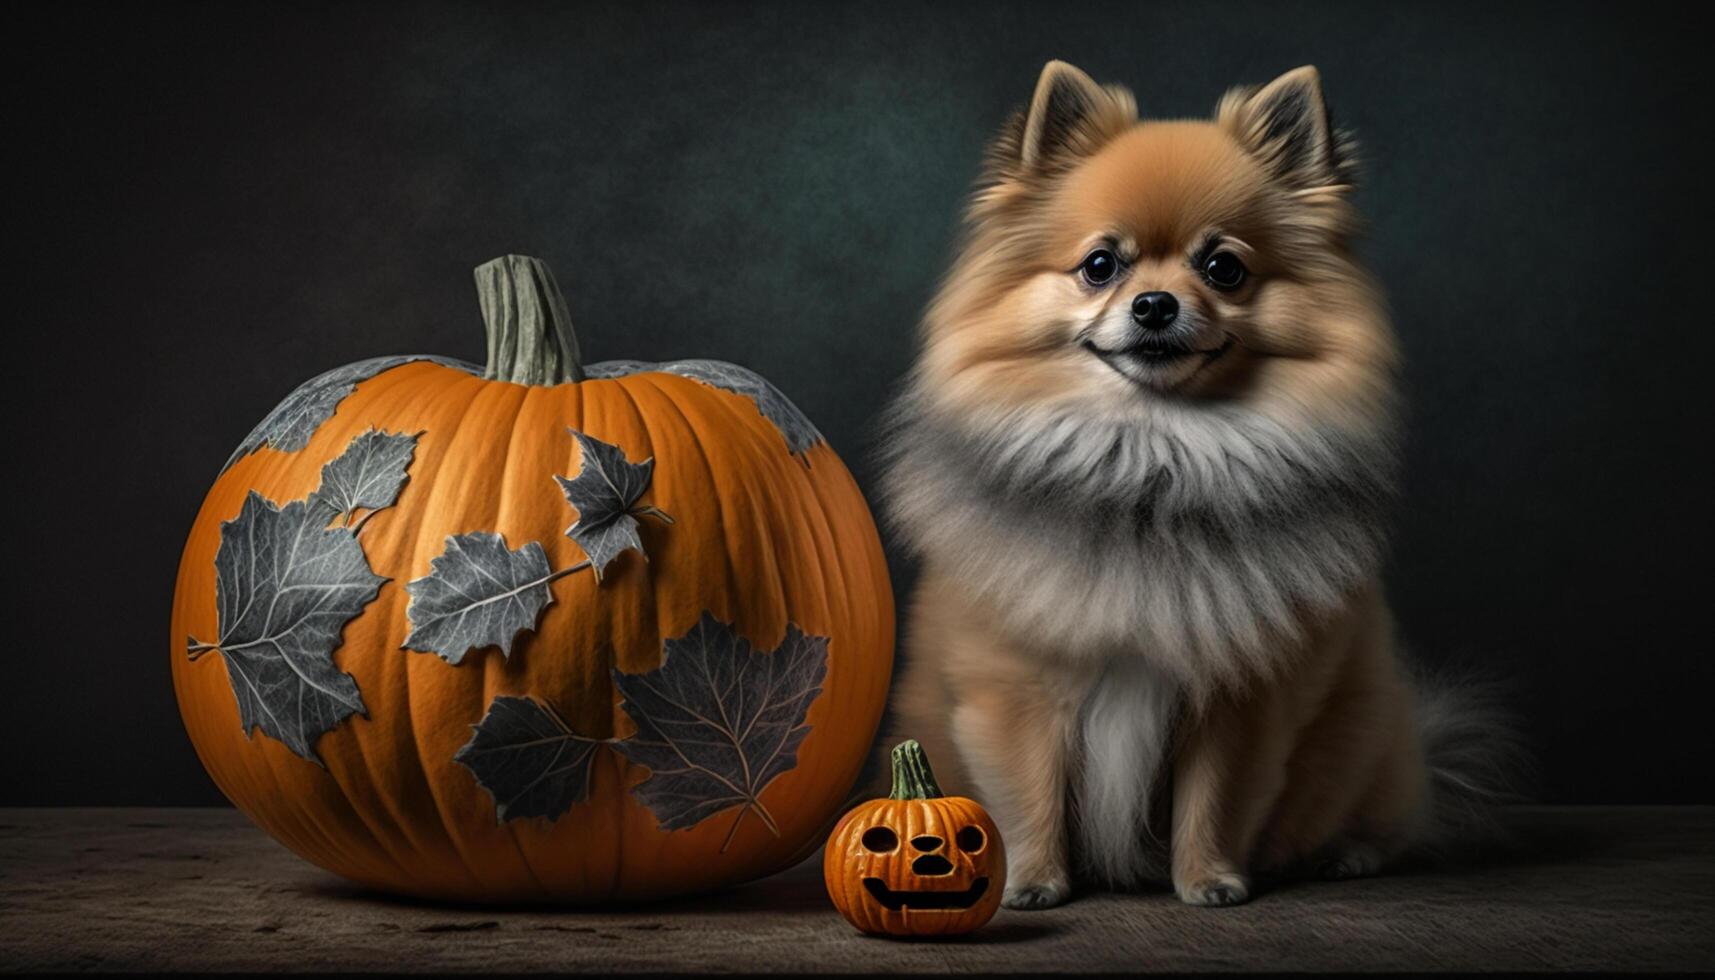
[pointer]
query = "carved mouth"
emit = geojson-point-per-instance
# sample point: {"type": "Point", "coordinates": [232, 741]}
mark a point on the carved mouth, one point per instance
{"type": "Point", "coordinates": [926, 901]}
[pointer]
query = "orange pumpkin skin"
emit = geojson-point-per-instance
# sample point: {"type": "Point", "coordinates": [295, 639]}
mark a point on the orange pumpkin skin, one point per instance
{"type": "Point", "coordinates": [760, 538]}
{"type": "Point", "coordinates": [889, 841]}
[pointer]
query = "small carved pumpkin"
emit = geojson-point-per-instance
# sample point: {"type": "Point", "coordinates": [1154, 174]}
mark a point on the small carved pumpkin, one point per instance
{"type": "Point", "coordinates": [917, 863]}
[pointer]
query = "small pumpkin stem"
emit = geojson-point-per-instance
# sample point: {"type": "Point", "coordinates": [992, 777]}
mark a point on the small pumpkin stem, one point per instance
{"type": "Point", "coordinates": [530, 339]}
{"type": "Point", "coordinates": [912, 777]}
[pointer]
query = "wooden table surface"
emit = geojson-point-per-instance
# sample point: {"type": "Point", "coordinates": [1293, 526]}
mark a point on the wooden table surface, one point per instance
{"type": "Point", "coordinates": [201, 889]}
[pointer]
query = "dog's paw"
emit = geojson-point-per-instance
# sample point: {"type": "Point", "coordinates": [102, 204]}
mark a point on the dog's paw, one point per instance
{"type": "Point", "coordinates": [1030, 896]}
{"type": "Point", "coordinates": [1351, 861]}
{"type": "Point", "coordinates": [1216, 890]}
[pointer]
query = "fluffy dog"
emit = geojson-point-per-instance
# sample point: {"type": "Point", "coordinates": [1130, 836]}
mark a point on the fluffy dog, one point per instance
{"type": "Point", "coordinates": [1146, 457]}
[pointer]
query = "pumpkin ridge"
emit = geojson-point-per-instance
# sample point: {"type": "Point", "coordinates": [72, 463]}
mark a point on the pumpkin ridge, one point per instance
{"type": "Point", "coordinates": [488, 690]}
{"type": "Point", "coordinates": [570, 467]}
{"type": "Point", "coordinates": [707, 466]}
{"type": "Point", "coordinates": [739, 410]}
{"type": "Point", "coordinates": [488, 670]}
{"type": "Point", "coordinates": [832, 588]}
{"type": "Point", "coordinates": [331, 834]}
{"type": "Point", "coordinates": [617, 812]}
{"type": "Point", "coordinates": [622, 804]}
{"type": "Point", "coordinates": [873, 599]}
{"type": "Point", "coordinates": [395, 400]}
{"type": "Point", "coordinates": [757, 491]}
{"type": "Point", "coordinates": [754, 799]}
{"type": "Point", "coordinates": [761, 501]}
{"type": "Point", "coordinates": [659, 397]}
{"type": "Point", "coordinates": [648, 456]}
{"type": "Point", "coordinates": [413, 706]}
{"type": "Point", "coordinates": [843, 600]}
{"type": "Point", "coordinates": [362, 792]}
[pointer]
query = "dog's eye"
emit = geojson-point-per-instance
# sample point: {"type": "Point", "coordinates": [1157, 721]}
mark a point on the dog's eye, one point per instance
{"type": "Point", "coordinates": [1099, 267]}
{"type": "Point", "coordinates": [1224, 270]}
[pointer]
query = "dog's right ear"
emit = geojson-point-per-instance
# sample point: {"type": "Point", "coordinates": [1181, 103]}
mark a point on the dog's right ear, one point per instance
{"type": "Point", "coordinates": [1286, 126]}
{"type": "Point", "coordinates": [1070, 116]}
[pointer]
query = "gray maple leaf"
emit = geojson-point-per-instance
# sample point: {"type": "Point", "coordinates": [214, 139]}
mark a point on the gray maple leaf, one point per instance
{"type": "Point", "coordinates": [605, 493]}
{"type": "Point", "coordinates": [292, 422]}
{"type": "Point", "coordinates": [287, 585]}
{"type": "Point", "coordinates": [793, 425]}
{"type": "Point", "coordinates": [530, 761]}
{"type": "Point", "coordinates": [369, 474]}
{"type": "Point", "coordinates": [718, 721]}
{"type": "Point", "coordinates": [478, 594]}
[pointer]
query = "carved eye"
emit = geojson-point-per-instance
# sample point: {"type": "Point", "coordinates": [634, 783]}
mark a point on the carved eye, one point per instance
{"type": "Point", "coordinates": [1099, 267]}
{"type": "Point", "coordinates": [971, 840]}
{"type": "Point", "coordinates": [880, 840]}
{"type": "Point", "coordinates": [1224, 270]}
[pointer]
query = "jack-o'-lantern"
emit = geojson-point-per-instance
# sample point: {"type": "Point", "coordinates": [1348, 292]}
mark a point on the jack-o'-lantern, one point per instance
{"type": "Point", "coordinates": [917, 863]}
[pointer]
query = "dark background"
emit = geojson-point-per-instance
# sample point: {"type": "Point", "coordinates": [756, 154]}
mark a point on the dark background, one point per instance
{"type": "Point", "coordinates": [216, 203]}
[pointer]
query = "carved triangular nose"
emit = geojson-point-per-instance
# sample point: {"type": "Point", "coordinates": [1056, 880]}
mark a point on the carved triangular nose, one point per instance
{"type": "Point", "coordinates": [930, 865]}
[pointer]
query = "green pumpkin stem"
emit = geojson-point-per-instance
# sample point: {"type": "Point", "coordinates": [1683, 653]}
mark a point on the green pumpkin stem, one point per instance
{"type": "Point", "coordinates": [530, 339]}
{"type": "Point", "coordinates": [912, 777]}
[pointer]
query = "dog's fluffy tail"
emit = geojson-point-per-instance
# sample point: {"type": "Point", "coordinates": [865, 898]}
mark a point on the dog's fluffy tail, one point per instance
{"type": "Point", "coordinates": [1477, 761]}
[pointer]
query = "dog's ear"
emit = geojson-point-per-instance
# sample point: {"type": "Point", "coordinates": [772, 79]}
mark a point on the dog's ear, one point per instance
{"type": "Point", "coordinates": [1285, 124]}
{"type": "Point", "coordinates": [1070, 116]}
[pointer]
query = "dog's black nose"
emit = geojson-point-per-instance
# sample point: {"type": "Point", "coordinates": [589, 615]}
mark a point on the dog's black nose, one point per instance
{"type": "Point", "coordinates": [1154, 311]}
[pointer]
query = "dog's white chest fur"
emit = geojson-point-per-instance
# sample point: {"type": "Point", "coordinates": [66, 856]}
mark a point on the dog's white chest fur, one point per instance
{"type": "Point", "coordinates": [1124, 730]}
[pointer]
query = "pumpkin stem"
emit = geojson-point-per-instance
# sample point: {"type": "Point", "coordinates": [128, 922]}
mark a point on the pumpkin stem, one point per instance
{"type": "Point", "coordinates": [530, 339]}
{"type": "Point", "coordinates": [912, 777]}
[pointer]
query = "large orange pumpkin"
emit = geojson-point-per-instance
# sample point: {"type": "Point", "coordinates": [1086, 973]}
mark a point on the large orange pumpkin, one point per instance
{"type": "Point", "coordinates": [539, 630]}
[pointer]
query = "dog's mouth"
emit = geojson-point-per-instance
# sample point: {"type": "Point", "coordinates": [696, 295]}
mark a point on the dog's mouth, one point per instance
{"type": "Point", "coordinates": [1130, 360]}
{"type": "Point", "coordinates": [926, 901]}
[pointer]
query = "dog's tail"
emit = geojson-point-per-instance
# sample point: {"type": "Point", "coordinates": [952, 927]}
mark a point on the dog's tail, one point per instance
{"type": "Point", "coordinates": [1476, 758]}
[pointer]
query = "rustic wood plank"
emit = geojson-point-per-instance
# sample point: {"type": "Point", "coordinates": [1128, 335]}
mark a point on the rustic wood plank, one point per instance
{"type": "Point", "coordinates": [200, 889]}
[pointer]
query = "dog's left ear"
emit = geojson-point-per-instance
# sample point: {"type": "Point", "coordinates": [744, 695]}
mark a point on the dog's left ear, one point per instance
{"type": "Point", "coordinates": [1285, 124]}
{"type": "Point", "coordinates": [1070, 116]}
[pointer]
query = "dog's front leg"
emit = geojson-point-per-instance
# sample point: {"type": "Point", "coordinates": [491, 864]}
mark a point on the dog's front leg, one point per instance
{"type": "Point", "coordinates": [1014, 735]}
{"type": "Point", "coordinates": [1228, 773]}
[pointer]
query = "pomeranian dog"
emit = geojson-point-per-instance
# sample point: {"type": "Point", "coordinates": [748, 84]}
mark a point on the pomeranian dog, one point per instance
{"type": "Point", "coordinates": [1146, 457]}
